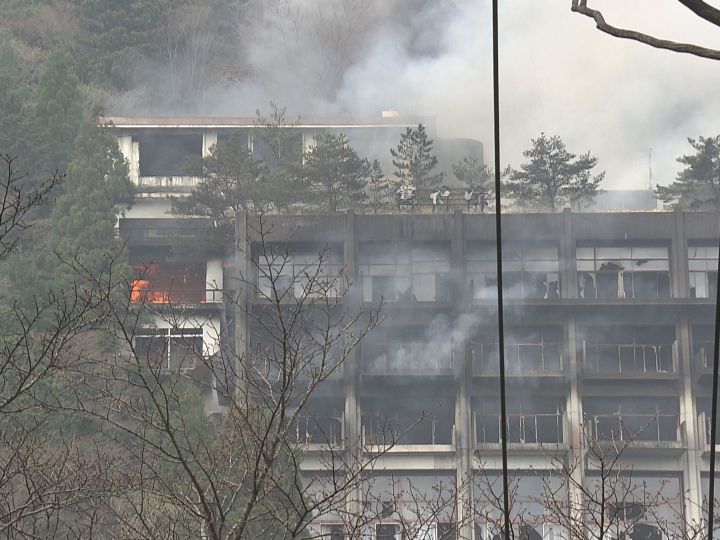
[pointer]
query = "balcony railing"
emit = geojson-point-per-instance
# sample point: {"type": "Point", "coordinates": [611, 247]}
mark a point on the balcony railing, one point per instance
{"type": "Point", "coordinates": [704, 356]}
{"type": "Point", "coordinates": [398, 430]}
{"type": "Point", "coordinates": [317, 430]}
{"type": "Point", "coordinates": [630, 359]}
{"type": "Point", "coordinates": [520, 358]}
{"type": "Point", "coordinates": [542, 428]}
{"type": "Point", "coordinates": [634, 427]}
{"type": "Point", "coordinates": [705, 423]}
{"type": "Point", "coordinates": [409, 358]}
{"type": "Point", "coordinates": [140, 293]}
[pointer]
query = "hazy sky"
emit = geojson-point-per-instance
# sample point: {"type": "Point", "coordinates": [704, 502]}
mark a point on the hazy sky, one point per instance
{"type": "Point", "coordinates": [559, 74]}
{"type": "Point", "coordinates": [614, 97]}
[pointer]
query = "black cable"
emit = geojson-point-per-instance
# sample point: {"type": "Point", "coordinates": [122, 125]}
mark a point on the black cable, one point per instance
{"type": "Point", "coordinates": [498, 245]}
{"type": "Point", "coordinates": [713, 416]}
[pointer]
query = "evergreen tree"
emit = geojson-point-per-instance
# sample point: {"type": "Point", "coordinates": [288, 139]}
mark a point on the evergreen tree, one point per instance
{"type": "Point", "coordinates": [697, 186]}
{"type": "Point", "coordinates": [232, 178]}
{"type": "Point", "coordinates": [475, 175]}
{"type": "Point", "coordinates": [84, 216]}
{"type": "Point", "coordinates": [336, 172]}
{"type": "Point", "coordinates": [117, 35]}
{"type": "Point", "coordinates": [552, 176]}
{"type": "Point", "coordinates": [381, 188]}
{"type": "Point", "coordinates": [57, 116]}
{"type": "Point", "coordinates": [414, 159]}
{"type": "Point", "coordinates": [14, 100]}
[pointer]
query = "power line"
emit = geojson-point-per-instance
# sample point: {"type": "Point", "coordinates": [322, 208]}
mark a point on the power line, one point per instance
{"type": "Point", "coordinates": [498, 246]}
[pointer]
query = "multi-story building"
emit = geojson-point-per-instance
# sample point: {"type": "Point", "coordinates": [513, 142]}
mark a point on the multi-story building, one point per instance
{"type": "Point", "coordinates": [608, 338]}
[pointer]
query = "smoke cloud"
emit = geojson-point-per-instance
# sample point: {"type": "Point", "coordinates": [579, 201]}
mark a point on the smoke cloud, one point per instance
{"type": "Point", "coordinates": [559, 74]}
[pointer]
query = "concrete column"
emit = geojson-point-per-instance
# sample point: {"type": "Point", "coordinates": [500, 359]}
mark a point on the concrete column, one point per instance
{"type": "Point", "coordinates": [130, 148]}
{"type": "Point", "coordinates": [351, 370]}
{"type": "Point", "coordinates": [243, 301]}
{"type": "Point", "coordinates": [679, 258]}
{"type": "Point", "coordinates": [688, 413]}
{"type": "Point", "coordinates": [575, 416]}
{"type": "Point", "coordinates": [209, 140]}
{"type": "Point", "coordinates": [567, 260]}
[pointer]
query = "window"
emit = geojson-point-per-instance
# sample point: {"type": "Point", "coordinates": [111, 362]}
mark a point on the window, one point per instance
{"type": "Point", "coordinates": [540, 423]}
{"type": "Point", "coordinates": [404, 272]}
{"type": "Point", "coordinates": [623, 272]}
{"type": "Point", "coordinates": [527, 350]}
{"type": "Point", "coordinates": [632, 419]}
{"type": "Point", "coordinates": [426, 420]}
{"type": "Point", "coordinates": [703, 342]}
{"type": "Point", "coordinates": [629, 349]}
{"type": "Point", "coordinates": [300, 271]}
{"type": "Point", "coordinates": [407, 356]}
{"type": "Point", "coordinates": [702, 263]}
{"type": "Point", "coordinates": [169, 349]}
{"type": "Point", "coordinates": [528, 271]}
{"type": "Point", "coordinates": [169, 283]}
{"type": "Point", "coordinates": [169, 154]}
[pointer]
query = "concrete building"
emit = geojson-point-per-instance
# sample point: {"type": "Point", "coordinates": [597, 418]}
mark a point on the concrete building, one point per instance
{"type": "Point", "coordinates": [609, 330]}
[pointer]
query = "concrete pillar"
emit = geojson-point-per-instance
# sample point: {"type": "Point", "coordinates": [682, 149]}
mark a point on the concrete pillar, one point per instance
{"type": "Point", "coordinates": [243, 301]}
{"type": "Point", "coordinates": [688, 413]}
{"type": "Point", "coordinates": [575, 417]}
{"type": "Point", "coordinates": [130, 148]}
{"type": "Point", "coordinates": [209, 140]}
{"type": "Point", "coordinates": [679, 258]}
{"type": "Point", "coordinates": [567, 259]}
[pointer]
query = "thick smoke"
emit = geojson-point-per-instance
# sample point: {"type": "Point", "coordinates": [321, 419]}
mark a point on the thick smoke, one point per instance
{"type": "Point", "coordinates": [613, 97]}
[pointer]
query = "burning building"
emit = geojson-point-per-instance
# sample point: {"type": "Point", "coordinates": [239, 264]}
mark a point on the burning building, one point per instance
{"type": "Point", "coordinates": [608, 339]}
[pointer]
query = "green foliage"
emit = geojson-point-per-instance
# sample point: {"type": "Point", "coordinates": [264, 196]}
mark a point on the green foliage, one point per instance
{"type": "Point", "coordinates": [14, 99]}
{"type": "Point", "coordinates": [58, 114]}
{"type": "Point", "coordinates": [414, 159]}
{"type": "Point", "coordinates": [381, 189]}
{"type": "Point", "coordinates": [83, 217]}
{"type": "Point", "coordinates": [697, 186]}
{"type": "Point", "coordinates": [475, 175]}
{"type": "Point", "coordinates": [552, 176]}
{"type": "Point", "coordinates": [117, 35]}
{"type": "Point", "coordinates": [336, 172]}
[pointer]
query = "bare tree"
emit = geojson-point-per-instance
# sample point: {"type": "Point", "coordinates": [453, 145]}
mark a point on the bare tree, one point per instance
{"type": "Point", "coordinates": [701, 9]}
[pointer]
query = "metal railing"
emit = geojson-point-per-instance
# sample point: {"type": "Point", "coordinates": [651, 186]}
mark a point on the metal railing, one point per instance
{"type": "Point", "coordinates": [142, 295]}
{"type": "Point", "coordinates": [383, 431]}
{"type": "Point", "coordinates": [704, 356]}
{"type": "Point", "coordinates": [308, 429]}
{"type": "Point", "coordinates": [634, 427]}
{"type": "Point", "coordinates": [409, 357]}
{"type": "Point", "coordinates": [542, 428]}
{"type": "Point", "coordinates": [519, 358]}
{"type": "Point", "coordinates": [632, 358]}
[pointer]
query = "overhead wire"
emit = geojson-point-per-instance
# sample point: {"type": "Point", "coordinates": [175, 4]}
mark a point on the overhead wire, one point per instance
{"type": "Point", "coordinates": [499, 265]}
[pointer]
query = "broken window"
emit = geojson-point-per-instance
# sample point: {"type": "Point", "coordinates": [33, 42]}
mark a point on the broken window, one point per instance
{"type": "Point", "coordinates": [405, 272]}
{"type": "Point", "coordinates": [168, 282]}
{"type": "Point", "coordinates": [636, 505]}
{"type": "Point", "coordinates": [632, 419]}
{"type": "Point", "coordinates": [623, 272]}
{"type": "Point", "coordinates": [629, 349]}
{"type": "Point", "coordinates": [169, 154]}
{"type": "Point", "coordinates": [300, 271]}
{"type": "Point", "coordinates": [528, 513]}
{"type": "Point", "coordinates": [703, 342]}
{"type": "Point", "coordinates": [406, 354]}
{"type": "Point", "coordinates": [703, 264]}
{"type": "Point", "coordinates": [171, 349]}
{"type": "Point", "coordinates": [320, 422]}
{"type": "Point", "coordinates": [405, 421]}
{"type": "Point", "coordinates": [528, 271]}
{"type": "Point", "coordinates": [527, 350]}
{"type": "Point", "coordinates": [538, 422]}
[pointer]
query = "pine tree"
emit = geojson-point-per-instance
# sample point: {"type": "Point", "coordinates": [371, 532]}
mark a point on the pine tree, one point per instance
{"type": "Point", "coordinates": [381, 189]}
{"type": "Point", "coordinates": [57, 116]}
{"type": "Point", "coordinates": [414, 159]}
{"type": "Point", "coordinates": [552, 176]}
{"type": "Point", "coordinates": [14, 101]}
{"type": "Point", "coordinates": [475, 175]}
{"type": "Point", "coordinates": [84, 216]}
{"type": "Point", "coordinates": [336, 172]}
{"type": "Point", "coordinates": [697, 186]}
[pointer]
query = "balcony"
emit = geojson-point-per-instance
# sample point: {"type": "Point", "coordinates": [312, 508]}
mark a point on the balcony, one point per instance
{"type": "Point", "coordinates": [159, 186]}
{"type": "Point", "coordinates": [315, 432]}
{"type": "Point", "coordinates": [413, 358]}
{"type": "Point", "coordinates": [704, 426]}
{"type": "Point", "coordinates": [408, 433]}
{"type": "Point", "coordinates": [141, 293]}
{"type": "Point", "coordinates": [658, 431]}
{"type": "Point", "coordinates": [521, 359]}
{"type": "Point", "coordinates": [524, 431]}
{"type": "Point", "coordinates": [629, 360]}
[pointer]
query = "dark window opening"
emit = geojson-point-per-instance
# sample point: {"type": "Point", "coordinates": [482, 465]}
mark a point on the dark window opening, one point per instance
{"type": "Point", "coordinates": [170, 154]}
{"type": "Point", "coordinates": [170, 349]}
{"type": "Point", "coordinates": [629, 349]}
